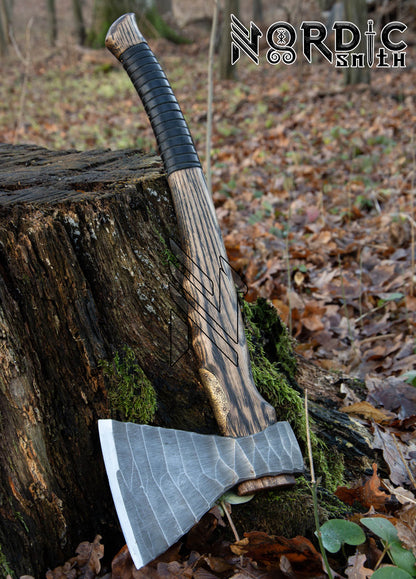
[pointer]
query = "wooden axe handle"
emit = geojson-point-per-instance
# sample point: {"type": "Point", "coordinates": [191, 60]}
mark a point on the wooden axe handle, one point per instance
{"type": "Point", "coordinates": [211, 302]}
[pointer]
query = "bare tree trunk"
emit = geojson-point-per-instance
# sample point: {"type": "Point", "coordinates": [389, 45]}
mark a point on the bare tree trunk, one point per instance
{"type": "Point", "coordinates": [107, 11]}
{"type": "Point", "coordinates": [164, 6]}
{"type": "Point", "coordinates": [258, 11]}
{"type": "Point", "coordinates": [79, 21]}
{"type": "Point", "coordinates": [3, 33]}
{"type": "Point", "coordinates": [5, 22]}
{"type": "Point", "coordinates": [356, 12]}
{"type": "Point", "coordinates": [53, 22]}
{"type": "Point", "coordinates": [227, 71]}
{"type": "Point", "coordinates": [71, 238]}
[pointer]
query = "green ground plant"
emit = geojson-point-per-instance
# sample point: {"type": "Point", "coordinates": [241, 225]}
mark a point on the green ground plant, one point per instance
{"type": "Point", "coordinates": [337, 532]}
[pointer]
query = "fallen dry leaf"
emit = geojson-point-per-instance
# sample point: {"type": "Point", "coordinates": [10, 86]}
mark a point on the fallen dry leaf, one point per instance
{"type": "Point", "coordinates": [174, 570]}
{"type": "Point", "coordinates": [392, 393]}
{"type": "Point", "coordinates": [369, 412]}
{"type": "Point", "coordinates": [66, 571]}
{"type": "Point", "coordinates": [285, 565]}
{"type": "Point", "coordinates": [122, 565]}
{"type": "Point", "coordinates": [86, 564]}
{"type": "Point", "coordinates": [356, 569]}
{"type": "Point", "coordinates": [349, 496]}
{"type": "Point", "coordinates": [200, 535]}
{"type": "Point", "coordinates": [203, 574]}
{"type": "Point", "coordinates": [389, 444]}
{"type": "Point", "coordinates": [372, 495]}
{"type": "Point", "coordinates": [89, 555]}
{"type": "Point", "coordinates": [404, 496]}
{"type": "Point", "coordinates": [267, 552]}
{"type": "Point", "coordinates": [240, 547]}
{"type": "Point", "coordinates": [368, 495]}
{"type": "Point", "coordinates": [217, 564]}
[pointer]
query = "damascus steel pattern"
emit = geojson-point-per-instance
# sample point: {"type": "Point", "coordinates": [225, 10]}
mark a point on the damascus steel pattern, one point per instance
{"type": "Point", "coordinates": [163, 481]}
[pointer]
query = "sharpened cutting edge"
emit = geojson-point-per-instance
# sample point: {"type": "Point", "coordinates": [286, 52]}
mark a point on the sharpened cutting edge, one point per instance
{"type": "Point", "coordinates": [105, 429]}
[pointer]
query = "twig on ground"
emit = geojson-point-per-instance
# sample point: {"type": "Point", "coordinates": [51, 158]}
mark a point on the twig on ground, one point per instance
{"type": "Point", "coordinates": [314, 486]}
{"type": "Point", "coordinates": [26, 60]}
{"type": "Point", "coordinates": [228, 515]}
{"type": "Point", "coordinates": [210, 96]}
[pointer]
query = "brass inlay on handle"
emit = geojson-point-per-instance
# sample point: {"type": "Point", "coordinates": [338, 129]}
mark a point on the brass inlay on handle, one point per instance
{"type": "Point", "coordinates": [217, 397]}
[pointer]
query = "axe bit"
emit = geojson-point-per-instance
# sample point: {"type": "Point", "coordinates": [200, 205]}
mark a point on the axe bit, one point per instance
{"type": "Point", "coordinates": [163, 480]}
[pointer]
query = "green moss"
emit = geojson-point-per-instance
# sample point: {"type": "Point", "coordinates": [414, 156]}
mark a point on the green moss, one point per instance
{"type": "Point", "coordinates": [274, 370]}
{"type": "Point", "coordinates": [130, 392]}
{"type": "Point", "coordinates": [273, 360]}
{"type": "Point", "coordinates": [299, 498]}
{"type": "Point", "coordinates": [20, 518]}
{"type": "Point", "coordinates": [4, 566]}
{"type": "Point", "coordinates": [168, 256]}
{"type": "Point", "coordinates": [334, 474]}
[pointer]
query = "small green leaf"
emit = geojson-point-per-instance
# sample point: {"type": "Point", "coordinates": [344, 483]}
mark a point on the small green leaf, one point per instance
{"type": "Point", "coordinates": [403, 558]}
{"type": "Point", "coordinates": [219, 505]}
{"type": "Point", "coordinates": [396, 296]}
{"type": "Point", "coordinates": [381, 527]}
{"type": "Point", "coordinates": [338, 531]}
{"type": "Point", "coordinates": [233, 499]}
{"type": "Point", "coordinates": [410, 377]}
{"type": "Point", "coordinates": [390, 572]}
{"type": "Point", "coordinates": [391, 297]}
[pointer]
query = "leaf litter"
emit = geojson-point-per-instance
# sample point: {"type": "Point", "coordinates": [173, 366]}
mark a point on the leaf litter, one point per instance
{"type": "Point", "coordinates": [314, 187]}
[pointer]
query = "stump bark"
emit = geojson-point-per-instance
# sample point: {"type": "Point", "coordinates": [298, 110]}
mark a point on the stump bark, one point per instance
{"type": "Point", "coordinates": [85, 270]}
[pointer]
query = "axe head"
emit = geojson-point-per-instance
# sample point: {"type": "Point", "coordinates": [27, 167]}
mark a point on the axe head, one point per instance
{"type": "Point", "coordinates": [163, 480]}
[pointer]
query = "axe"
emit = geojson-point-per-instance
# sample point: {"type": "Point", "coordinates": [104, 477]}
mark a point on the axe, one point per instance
{"type": "Point", "coordinates": [164, 480]}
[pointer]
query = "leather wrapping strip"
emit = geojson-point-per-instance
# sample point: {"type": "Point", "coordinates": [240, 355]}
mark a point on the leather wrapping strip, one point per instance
{"type": "Point", "coordinates": [173, 137]}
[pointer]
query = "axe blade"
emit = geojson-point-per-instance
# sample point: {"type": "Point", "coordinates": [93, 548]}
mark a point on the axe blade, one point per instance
{"type": "Point", "coordinates": [163, 480]}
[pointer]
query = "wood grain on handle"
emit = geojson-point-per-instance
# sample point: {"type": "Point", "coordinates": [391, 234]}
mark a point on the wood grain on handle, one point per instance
{"type": "Point", "coordinates": [123, 34]}
{"type": "Point", "coordinates": [211, 298]}
{"type": "Point", "coordinates": [214, 314]}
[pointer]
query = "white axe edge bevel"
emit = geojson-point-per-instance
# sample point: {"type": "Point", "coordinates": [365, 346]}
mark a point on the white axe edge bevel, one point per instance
{"type": "Point", "coordinates": [105, 429]}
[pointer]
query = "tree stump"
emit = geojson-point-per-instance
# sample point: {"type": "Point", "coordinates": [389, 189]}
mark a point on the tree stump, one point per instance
{"type": "Point", "coordinates": [85, 270]}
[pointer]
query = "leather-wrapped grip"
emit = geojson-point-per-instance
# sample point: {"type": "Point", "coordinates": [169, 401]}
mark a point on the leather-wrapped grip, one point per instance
{"type": "Point", "coordinates": [175, 142]}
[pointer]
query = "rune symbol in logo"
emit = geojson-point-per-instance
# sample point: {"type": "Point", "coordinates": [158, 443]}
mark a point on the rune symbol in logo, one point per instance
{"type": "Point", "coordinates": [282, 36]}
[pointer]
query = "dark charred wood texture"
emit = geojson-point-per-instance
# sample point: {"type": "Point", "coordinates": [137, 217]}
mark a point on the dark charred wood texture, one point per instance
{"type": "Point", "coordinates": [85, 270]}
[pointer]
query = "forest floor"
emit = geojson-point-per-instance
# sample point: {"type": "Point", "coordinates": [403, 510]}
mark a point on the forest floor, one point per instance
{"type": "Point", "coordinates": [313, 182]}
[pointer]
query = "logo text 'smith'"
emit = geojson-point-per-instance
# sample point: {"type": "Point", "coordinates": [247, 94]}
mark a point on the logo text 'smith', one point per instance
{"type": "Point", "coordinates": [282, 36]}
